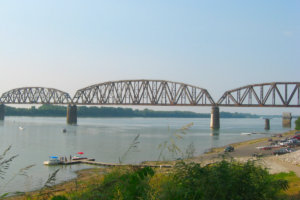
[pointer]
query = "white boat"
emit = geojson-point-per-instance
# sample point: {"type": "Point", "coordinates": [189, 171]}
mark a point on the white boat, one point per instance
{"type": "Point", "coordinates": [53, 160]}
{"type": "Point", "coordinates": [79, 158]}
{"type": "Point", "coordinates": [21, 128]}
{"type": "Point", "coordinates": [246, 133]}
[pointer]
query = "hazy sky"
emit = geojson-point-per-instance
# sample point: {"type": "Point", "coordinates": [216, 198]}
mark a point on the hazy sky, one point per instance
{"type": "Point", "coordinates": [217, 45]}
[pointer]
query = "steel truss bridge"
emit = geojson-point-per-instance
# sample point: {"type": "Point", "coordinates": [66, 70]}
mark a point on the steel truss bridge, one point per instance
{"type": "Point", "coordinates": [160, 93]}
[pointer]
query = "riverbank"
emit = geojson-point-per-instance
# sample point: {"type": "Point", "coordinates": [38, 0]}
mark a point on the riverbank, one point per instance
{"type": "Point", "coordinates": [243, 152]}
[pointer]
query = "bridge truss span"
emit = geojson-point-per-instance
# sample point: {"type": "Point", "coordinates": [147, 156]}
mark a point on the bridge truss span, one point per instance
{"type": "Point", "coordinates": [275, 94]}
{"type": "Point", "coordinates": [35, 95]}
{"type": "Point", "coordinates": [143, 92]}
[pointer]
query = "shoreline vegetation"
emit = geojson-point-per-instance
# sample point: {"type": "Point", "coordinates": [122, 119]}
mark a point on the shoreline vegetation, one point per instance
{"type": "Point", "coordinates": [93, 111]}
{"type": "Point", "coordinates": [214, 160]}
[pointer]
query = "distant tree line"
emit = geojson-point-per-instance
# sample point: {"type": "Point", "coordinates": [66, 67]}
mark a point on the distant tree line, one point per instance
{"type": "Point", "coordinates": [84, 111]}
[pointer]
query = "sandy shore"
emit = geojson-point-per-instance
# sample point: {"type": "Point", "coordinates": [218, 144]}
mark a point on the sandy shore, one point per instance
{"type": "Point", "coordinates": [243, 152]}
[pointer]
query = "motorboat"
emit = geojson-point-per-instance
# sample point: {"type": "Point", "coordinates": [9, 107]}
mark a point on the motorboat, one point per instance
{"type": "Point", "coordinates": [21, 128]}
{"type": "Point", "coordinates": [79, 156]}
{"type": "Point", "coordinates": [246, 133]}
{"type": "Point", "coordinates": [53, 160]}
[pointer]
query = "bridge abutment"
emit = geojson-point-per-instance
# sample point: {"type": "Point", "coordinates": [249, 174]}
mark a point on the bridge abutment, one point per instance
{"type": "Point", "coordinates": [72, 114]}
{"type": "Point", "coordinates": [2, 112]}
{"type": "Point", "coordinates": [286, 119]}
{"type": "Point", "coordinates": [215, 118]}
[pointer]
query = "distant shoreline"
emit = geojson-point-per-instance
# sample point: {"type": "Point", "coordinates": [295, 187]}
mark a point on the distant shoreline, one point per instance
{"type": "Point", "coordinates": [101, 112]}
{"type": "Point", "coordinates": [132, 117]}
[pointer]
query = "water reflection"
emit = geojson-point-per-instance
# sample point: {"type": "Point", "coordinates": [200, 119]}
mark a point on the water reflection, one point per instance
{"type": "Point", "coordinates": [215, 133]}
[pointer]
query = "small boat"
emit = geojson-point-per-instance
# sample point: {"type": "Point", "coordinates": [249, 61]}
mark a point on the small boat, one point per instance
{"type": "Point", "coordinates": [79, 156]}
{"type": "Point", "coordinates": [53, 160]}
{"type": "Point", "coordinates": [246, 133]}
{"type": "Point", "coordinates": [21, 128]}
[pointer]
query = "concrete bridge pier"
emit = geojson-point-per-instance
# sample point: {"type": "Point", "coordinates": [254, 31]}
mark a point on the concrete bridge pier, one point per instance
{"type": "Point", "coordinates": [2, 112]}
{"type": "Point", "coordinates": [267, 124]}
{"type": "Point", "coordinates": [215, 118]}
{"type": "Point", "coordinates": [287, 119]}
{"type": "Point", "coordinates": [72, 114]}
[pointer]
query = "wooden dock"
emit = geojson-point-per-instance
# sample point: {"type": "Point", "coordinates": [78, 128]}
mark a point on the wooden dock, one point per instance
{"type": "Point", "coordinates": [92, 162]}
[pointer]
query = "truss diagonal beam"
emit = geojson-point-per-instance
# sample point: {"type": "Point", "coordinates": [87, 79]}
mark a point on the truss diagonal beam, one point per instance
{"type": "Point", "coordinates": [144, 92]}
{"type": "Point", "coordinates": [277, 95]}
{"type": "Point", "coordinates": [35, 95]}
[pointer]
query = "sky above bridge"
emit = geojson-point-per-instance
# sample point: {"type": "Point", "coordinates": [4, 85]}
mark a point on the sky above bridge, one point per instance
{"type": "Point", "coordinates": [217, 45]}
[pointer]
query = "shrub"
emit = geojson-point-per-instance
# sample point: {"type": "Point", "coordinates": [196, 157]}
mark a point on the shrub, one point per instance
{"type": "Point", "coordinates": [59, 197]}
{"type": "Point", "coordinates": [222, 181]}
{"type": "Point", "coordinates": [129, 183]}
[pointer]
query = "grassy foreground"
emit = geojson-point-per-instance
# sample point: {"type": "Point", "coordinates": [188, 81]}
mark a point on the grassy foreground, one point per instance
{"type": "Point", "coordinates": [218, 181]}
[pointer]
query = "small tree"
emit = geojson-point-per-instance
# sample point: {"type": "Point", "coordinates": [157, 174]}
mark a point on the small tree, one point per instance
{"type": "Point", "coordinates": [297, 122]}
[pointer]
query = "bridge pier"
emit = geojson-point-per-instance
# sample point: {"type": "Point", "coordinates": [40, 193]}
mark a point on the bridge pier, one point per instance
{"type": "Point", "coordinates": [287, 119]}
{"type": "Point", "coordinates": [2, 112]}
{"type": "Point", "coordinates": [72, 114]}
{"type": "Point", "coordinates": [215, 118]}
{"type": "Point", "coordinates": [267, 124]}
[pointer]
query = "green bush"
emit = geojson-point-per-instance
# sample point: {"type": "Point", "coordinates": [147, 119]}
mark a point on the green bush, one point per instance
{"type": "Point", "coordinates": [297, 122]}
{"type": "Point", "coordinates": [222, 181]}
{"type": "Point", "coordinates": [59, 197]}
{"type": "Point", "coordinates": [130, 184]}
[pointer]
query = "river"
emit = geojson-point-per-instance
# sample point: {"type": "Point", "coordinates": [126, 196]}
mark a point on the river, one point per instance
{"type": "Point", "coordinates": [107, 140]}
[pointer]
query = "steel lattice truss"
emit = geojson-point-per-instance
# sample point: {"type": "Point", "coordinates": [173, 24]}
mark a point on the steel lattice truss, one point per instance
{"type": "Point", "coordinates": [35, 95]}
{"type": "Point", "coordinates": [143, 92]}
{"type": "Point", "coordinates": [276, 94]}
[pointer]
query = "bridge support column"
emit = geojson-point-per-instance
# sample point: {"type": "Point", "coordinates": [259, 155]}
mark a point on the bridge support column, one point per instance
{"type": "Point", "coordinates": [267, 124]}
{"type": "Point", "coordinates": [72, 114]}
{"type": "Point", "coordinates": [215, 118]}
{"type": "Point", "coordinates": [2, 112]}
{"type": "Point", "coordinates": [286, 119]}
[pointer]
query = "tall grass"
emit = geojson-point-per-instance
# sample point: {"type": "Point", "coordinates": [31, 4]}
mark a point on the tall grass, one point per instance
{"type": "Point", "coordinates": [4, 167]}
{"type": "Point", "coordinates": [170, 146]}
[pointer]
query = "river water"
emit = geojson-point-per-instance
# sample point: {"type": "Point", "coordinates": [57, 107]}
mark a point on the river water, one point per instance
{"type": "Point", "coordinates": [107, 140]}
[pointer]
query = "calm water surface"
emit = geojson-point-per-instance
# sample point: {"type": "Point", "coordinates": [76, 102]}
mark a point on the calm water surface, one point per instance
{"type": "Point", "coordinates": [106, 140]}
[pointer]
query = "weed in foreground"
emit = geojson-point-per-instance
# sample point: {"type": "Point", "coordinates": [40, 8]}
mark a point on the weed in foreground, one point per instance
{"type": "Point", "coordinates": [4, 167]}
{"type": "Point", "coordinates": [171, 145]}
